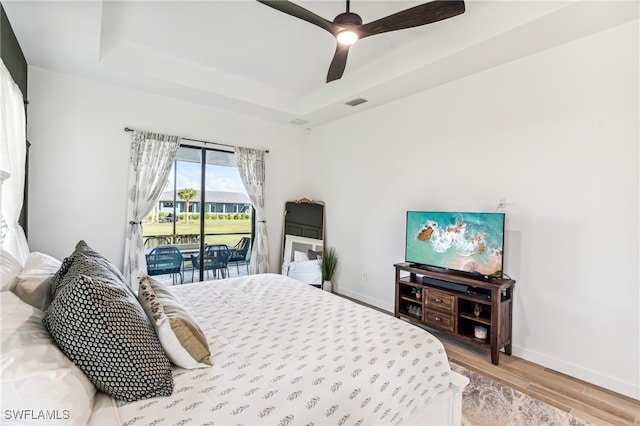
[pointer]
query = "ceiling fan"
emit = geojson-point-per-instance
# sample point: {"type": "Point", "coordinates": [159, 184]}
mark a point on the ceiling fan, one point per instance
{"type": "Point", "coordinates": [348, 28]}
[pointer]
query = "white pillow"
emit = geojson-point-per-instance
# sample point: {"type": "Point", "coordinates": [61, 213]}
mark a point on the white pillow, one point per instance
{"type": "Point", "coordinates": [40, 385]}
{"type": "Point", "coordinates": [299, 256]}
{"type": "Point", "coordinates": [10, 269]}
{"type": "Point", "coordinates": [307, 271]}
{"type": "Point", "coordinates": [33, 285]}
{"type": "Point", "coordinates": [180, 335]}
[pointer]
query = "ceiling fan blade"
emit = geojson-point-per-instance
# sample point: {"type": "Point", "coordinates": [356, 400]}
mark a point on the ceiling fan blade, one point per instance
{"type": "Point", "coordinates": [416, 16]}
{"type": "Point", "coordinates": [338, 63]}
{"type": "Point", "coordinates": [300, 13]}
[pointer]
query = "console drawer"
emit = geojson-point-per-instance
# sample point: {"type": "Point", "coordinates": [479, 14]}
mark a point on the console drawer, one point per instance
{"type": "Point", "coordinates": [439, 300]}
{"type": "Point", "coordinates": [439, 320]}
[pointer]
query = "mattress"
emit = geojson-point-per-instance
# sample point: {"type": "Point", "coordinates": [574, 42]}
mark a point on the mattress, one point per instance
{"type": "Point", "coordinates": [287, 353]}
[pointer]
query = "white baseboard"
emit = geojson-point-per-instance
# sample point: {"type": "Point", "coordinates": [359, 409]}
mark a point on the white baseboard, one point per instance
{"type": "Point", "coordinates": [597, 378]}
{"type": "Point", "coordinates": [382, 304]}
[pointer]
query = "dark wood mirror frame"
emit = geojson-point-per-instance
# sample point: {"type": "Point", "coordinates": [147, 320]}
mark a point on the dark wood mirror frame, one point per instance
{"type": "Point", "coordinates": [303, 218]}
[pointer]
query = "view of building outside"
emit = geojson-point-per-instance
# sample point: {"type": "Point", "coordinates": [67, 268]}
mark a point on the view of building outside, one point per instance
{"type": "Point", "coordinates": [177, 214]}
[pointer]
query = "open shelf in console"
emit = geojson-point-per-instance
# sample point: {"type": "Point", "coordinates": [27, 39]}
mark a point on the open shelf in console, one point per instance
{"type": "Point", "coordinates": [448, 302]}
{"type": "Point", "coordinates": [467, 309]}
{"type": "Point", "coordinates": [410, 300]}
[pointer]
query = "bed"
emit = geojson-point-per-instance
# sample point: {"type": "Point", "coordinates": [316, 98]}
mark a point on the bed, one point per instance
{"type": "Point", "coordinates": [281, 352]}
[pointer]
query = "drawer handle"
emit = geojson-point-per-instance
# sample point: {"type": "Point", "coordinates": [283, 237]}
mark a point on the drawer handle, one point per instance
{"type": "Point", "coordinates": [438, 300]}
{"type": "Point", "coordinates": [438, 319]}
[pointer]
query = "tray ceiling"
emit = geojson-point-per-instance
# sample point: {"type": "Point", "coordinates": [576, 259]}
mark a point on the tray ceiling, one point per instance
{"type": "Point", "coordinates": [243, 56]}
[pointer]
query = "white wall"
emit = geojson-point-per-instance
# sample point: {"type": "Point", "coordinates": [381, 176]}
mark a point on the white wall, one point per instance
{"type": "Point", "coordinates": [557, 134]}
{"type": "Point", "coordinates": [80, 154]}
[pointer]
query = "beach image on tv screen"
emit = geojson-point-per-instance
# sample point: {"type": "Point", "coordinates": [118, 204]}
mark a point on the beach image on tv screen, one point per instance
{"type": "Point", "coordinates": [469, 242]}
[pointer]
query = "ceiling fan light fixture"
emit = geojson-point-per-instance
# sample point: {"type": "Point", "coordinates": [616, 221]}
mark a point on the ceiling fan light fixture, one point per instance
{"type": "Point", "coordinates": [347, 37]}
{"type": "Point", "coordinates": [347, 27]}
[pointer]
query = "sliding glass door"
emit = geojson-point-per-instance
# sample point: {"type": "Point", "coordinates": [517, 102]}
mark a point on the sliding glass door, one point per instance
{"type": "Point", "coordinates": [203, 211]}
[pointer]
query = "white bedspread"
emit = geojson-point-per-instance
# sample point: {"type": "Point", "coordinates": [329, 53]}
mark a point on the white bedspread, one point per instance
{"type": "Point", "coordinates": [287, 353]}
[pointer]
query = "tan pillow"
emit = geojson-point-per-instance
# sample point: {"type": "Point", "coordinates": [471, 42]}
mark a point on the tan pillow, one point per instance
{"type": "Point", "coordinates": [180, 335]}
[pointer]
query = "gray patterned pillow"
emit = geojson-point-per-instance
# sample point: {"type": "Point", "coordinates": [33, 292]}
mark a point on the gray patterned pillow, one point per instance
{"type": "Point", "coordinates": [98, 323]}
{"type": "Point", "coordinates": [86, 261]}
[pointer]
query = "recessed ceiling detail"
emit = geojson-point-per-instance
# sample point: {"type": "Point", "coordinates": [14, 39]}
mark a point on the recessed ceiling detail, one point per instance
{"type": "Point", "coordinates": [195, 50]}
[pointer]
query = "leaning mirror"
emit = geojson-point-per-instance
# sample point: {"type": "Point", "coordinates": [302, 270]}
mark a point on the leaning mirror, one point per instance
{"type": "Point", "coordinates": [303, 240]}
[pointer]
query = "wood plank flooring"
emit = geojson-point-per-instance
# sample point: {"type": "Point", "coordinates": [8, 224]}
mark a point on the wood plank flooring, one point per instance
{"type": "Point", "coordinates": [592, 403]}
{"type": "Point", "coordinates": [584, 400]}
{"type": "Point", "coordinates": [589, 402]}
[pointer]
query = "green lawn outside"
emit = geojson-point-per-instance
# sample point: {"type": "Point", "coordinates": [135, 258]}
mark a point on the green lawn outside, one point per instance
{"type": "Point", "coordinates": [211, 226]}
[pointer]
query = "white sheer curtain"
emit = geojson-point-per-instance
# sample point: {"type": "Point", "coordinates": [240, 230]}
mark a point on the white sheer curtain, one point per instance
{"type": "Point", "coordinates": [250, 164]}
{"type": "Point", "coordinates": [152, 156]}
{"type": "Point", "coordinates": [13, 150]}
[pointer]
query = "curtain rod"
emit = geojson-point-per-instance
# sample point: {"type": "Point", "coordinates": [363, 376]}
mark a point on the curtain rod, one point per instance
{"type": "Point", "coordinates": [127, 129]}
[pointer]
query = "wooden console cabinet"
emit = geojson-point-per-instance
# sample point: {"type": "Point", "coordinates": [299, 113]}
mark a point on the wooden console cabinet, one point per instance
{"type": "Point", "coordinates": [452, 311]}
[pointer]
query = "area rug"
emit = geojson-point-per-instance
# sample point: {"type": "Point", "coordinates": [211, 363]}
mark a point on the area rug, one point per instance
{"type": "Point", "coordinates": [487, 402]}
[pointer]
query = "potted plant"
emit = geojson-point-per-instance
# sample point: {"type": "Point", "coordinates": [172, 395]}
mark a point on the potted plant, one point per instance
{"type": "Point", "coordinates": [328, 267]}
{"type": "Point", "coordinates": [417, 291]}
{"type": "Point", "coordinates": [477, 308]}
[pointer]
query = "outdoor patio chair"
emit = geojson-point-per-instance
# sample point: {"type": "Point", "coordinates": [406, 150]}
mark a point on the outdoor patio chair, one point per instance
{"type": "Point", "coordinates": [187, 239]}
{"type": "Point", "coordinates": [239, 253]}
{"type": "Point", "coordinates": [164, 260]}
{"type": "Point", "coordinates": [216, 258]}
{"type": "Point", "coordinates": [156, 241]}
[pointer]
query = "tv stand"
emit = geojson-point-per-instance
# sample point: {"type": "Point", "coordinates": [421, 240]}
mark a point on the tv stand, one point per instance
{"type": "Point", "coordinates": [446, 304]}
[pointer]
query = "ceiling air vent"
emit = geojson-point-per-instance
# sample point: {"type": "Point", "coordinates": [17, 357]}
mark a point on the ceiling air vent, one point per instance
{"type": "Point", "coordinates": [298, 121]}
{"type": "Point", "coordinates": [356, 102]}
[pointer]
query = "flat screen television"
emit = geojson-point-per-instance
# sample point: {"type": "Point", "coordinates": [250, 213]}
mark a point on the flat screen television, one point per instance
{"type": "Point", "coordinates": [470, 243]}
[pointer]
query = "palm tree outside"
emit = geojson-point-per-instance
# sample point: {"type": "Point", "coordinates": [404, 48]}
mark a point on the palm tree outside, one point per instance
{"type": "Point", "coordinates": [187, 194]}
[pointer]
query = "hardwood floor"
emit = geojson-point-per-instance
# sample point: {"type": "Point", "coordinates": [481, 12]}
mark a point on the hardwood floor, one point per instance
{"type": "Point", "coordinates": [584, 400]}
{"type": "Point", "coordinates": [589, 402]}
